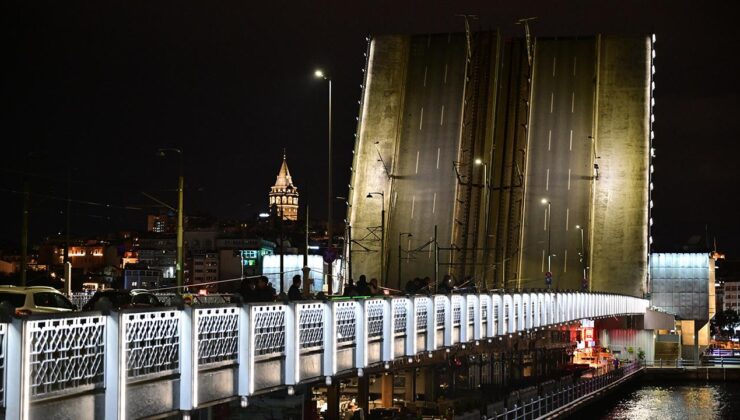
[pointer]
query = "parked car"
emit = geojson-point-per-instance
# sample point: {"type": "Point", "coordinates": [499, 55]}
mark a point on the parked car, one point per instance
{"type": "Point", "coordinates": [35, 300]}
{"type": "Point", "coordinates": [124, 299]}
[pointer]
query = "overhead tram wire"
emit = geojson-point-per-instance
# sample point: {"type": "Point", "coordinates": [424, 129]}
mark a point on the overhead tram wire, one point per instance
{"type": "Point", "coordinates": [65, 199]}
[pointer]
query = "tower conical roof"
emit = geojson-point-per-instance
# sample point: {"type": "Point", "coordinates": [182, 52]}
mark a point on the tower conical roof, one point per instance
{"type": "Point", "coordinates": [283, 178]}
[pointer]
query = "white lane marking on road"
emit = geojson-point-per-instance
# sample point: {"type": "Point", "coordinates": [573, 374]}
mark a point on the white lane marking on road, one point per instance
{"type": "Point", "coordinates": [545, 224]}
{"type": "Point", "coordinates": [570, 145]}
{"type": "Point", "coordinates": [413, 202]}
{"type": "Point", "coordinates": [445, 80]}
{"type": "Point", "coordinates": [434, 202]}
{"type": "Point", "coordinates": [395, 199]}
{"type": "Point", "coordinates": [552, 100]}
{"type": "Point", "coordinates": [421, 118]}
{"type": "Point", "coordinates": [572, 102]}
{"type": "Point", "coordinates": [417, 162]}
{"type": "Point", "coordinates": [442, 116]}
{"type": "Point", "coordinates": [574, 65]}
{"type": "Point", "coordinates": [549, 139]}
{"type": "Point", "coordinates": [567, 216]}
{"type": "Point", "coordinates": [425, 76]}
{"type": "Point", "coordinates": [568, 179]}
{"type": "Point", "coordinates": [554, 60]}
{"type": "Point", "coordinates": [547, 180]}
{"type": "Point", "coordinates": [543, 261]}
{"type": "Point", "coordinates": [565, 263]}
{"type": "Point", "coordinates": [438, 158]}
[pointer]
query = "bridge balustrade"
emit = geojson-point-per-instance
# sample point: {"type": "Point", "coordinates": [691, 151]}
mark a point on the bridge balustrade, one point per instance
{"type": "Point", "coordinates": [138, 363]}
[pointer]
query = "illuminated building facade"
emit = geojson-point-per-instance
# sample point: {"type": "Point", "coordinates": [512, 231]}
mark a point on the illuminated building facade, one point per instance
{"type": "Point", "coordinates": [284, 195]}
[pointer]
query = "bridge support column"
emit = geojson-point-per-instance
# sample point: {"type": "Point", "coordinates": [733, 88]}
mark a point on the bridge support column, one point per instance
{"type": "Point", "coordinates": [430, 383]}
{"type": "Point", "coordinates": [363, 392]}
{"type": "Point", "coordinates": [410, 388]}
{"type": "Point", "coordinates": [386, 390]}
{"type": "Point", "coordinates": [332, 401]}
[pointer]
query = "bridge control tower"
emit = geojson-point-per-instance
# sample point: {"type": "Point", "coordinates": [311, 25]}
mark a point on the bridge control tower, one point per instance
{"type": "Point", "coordinates": [503, 168]}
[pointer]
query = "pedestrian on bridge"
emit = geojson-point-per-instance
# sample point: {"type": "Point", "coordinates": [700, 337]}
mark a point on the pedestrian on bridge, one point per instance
{"type": "Point", "coordinates": [294, 292]}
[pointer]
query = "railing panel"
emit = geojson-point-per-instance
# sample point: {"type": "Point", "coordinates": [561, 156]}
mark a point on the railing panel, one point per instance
{"type": "Point", "coordinates": [65, 353]}
{"type": "Point", "coordinates": [310, 343]}
{"type": "Point", "coordinates": [372, 339]}
{"type": "Point", "coordinates": [267, 346]}
{"type": "Point", "coordinates": [401, 327]}
{"type": "Point", "coordinates": [152, 341]}
{"type": "Point", "coordinates": [218, 334]}
{"type": "Point", "coordinates": [346, 318]}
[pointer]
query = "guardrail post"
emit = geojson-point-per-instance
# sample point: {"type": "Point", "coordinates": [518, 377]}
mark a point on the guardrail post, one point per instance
{"type": "Point", "coordinates": [329, 341]}
{"type": "Point", "coordinates": [292, 349]}
{"type": "Point", "coordinates": [16, 390]}
{"type": "Point", "coordinates": [115, 368]}
{"type": "Point", "coordinates": [243, 355]}
{"type": "Point", "coordinates": [389, 329]}
{"type": "Point", "coordinates": [188, 360]}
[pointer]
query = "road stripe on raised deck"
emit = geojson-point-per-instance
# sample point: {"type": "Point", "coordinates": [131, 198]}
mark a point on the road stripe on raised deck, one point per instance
{"type": "Point", "coordinates": [421, 118]}
{"type": "Point", "coordinates": [417, 162]}
{"type": "Point", "coordinates": [442, 116]}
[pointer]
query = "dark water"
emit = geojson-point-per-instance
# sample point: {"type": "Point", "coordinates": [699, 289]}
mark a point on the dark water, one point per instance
{"type": "Point", "coordinates": [669, 401]}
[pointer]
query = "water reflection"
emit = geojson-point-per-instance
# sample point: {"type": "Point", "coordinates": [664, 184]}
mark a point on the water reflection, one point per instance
{"type": "Point", "coordinates": [696, 401]}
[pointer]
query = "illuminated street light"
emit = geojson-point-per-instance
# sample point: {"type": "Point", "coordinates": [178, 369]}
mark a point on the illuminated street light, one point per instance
{"type": "Point", "coordinates": [549, 236]}
{"type": "Point", "coordinates": [329, 230]}
{"type": "Point", "coordinates": [486, 184]}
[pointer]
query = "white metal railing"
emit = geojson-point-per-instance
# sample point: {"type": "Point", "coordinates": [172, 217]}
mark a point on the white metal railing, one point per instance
{"type": "Point", "coordinates": [267, 345]}
{"type": "Point", "coordinates": [541, 405]}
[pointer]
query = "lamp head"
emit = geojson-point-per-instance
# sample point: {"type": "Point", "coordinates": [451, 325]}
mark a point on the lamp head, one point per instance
{"type": "Point", "coordinates": [319, 74]}
{"type": "Point", "coordinates": [545, 201]}
{"type": "Point", "coordinates": [478, 161]}
{"type": "Point", "coordinates": [369, 195]}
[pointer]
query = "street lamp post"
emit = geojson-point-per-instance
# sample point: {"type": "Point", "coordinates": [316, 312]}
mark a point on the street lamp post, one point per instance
{"type": "Point", "coordinates": [583, 256]}
{"type": "Point", "coordinates": [382, 231]}
{"type": "Point", "coordinates": [549, 230]}
{"type": "Point", "coordinates": [401, 235]}
{"type": "Point", "coordinates": [180, 188]}
{"type": "Point", "coordinates": [487, 186]}
{"type": "Point", "coordinates": [329, 230]}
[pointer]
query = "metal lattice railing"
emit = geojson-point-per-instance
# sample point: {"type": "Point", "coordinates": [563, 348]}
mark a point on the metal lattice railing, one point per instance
{"type": "Point", "coordinates": [152, 342]}
{"type": "Point", "coordinates": [422, 313]}
{"type": "Point", "coordinates": [400, 315]}
{"type": "Point", "coordinates": [345, 321]}
{"type": "Point", "coordinates": [311, 325]}
{"type": "Point", "coordinates": [268, 329]}
{"type": "Point", "coordinates": [79, 299]}
{"type": "Point", "coordinates": [218, 334]}
{"type": "Point", "coordinates": [439, 310]}
{"type": "Point", "coordinates": [65, 353]}
{"type": "Point", "coordinates": [3, 342]}
{"type": "Point", "coordinates": [374, 313]}
{"type": "Point", "coordinates": [456, 309]}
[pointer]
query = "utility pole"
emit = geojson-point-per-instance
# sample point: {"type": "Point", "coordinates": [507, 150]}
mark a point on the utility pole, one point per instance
{"type": "Point", "coordinates": [180, 218]}
{"type": "Point", "coordinates": [282, 251]}
{"type": "Point", "coordinates": [24, 232]}
{"type": "Point", "coordinates": [306, 269]}
{"type": "Point", "coordinates": [400, 251]}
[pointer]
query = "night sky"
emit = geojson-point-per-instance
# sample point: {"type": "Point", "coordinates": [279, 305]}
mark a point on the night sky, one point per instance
{"type": "Point", "coordinates": [92, 89]}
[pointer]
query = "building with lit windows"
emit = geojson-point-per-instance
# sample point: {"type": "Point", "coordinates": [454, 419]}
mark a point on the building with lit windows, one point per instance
{"type": "Point", "coordinates": [731, 298]}
{"type": "Point", "coordinates": [284, 195]}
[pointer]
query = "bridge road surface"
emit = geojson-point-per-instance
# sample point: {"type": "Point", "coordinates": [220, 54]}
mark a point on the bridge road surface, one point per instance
{"type": "Point", "coordinates": [560, 166]}
{"type": "Point", "coordinates": [424, 185]}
